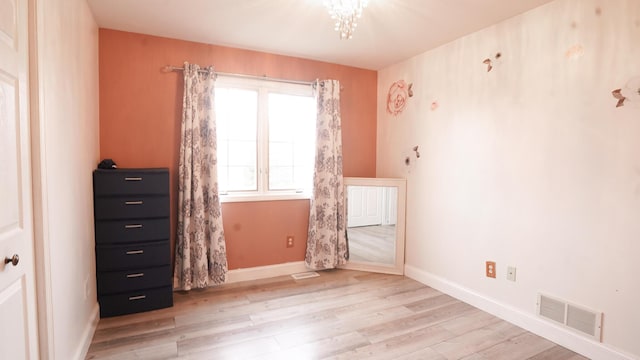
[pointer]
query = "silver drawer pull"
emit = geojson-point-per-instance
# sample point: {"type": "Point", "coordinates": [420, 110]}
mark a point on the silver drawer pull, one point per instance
{"type": "Point", "coordinates": [133, 202]}
{"type": "Point", "coordinates": [133, 226]}
{"type": "Point", "coordinates": [133, 179]}
{"type": "Point", "coordinates": [135, 275]}
{"type": "Point", "coordinates": [139, 297]}
{"type": "Point", "coordinates": [135, 252]}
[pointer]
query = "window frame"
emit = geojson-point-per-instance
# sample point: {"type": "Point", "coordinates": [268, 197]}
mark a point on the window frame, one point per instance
{"type": "Point", "coordinates": [263, 88]}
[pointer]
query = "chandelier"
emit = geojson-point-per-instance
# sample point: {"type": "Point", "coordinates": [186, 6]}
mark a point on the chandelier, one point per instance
{"type": "Point", "coordinates": [345, 13]}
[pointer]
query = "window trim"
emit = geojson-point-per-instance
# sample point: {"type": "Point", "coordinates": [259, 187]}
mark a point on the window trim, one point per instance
{"type": "Point", "coordinates": [263, 88]}
{"type": "Point", "coordinates": [254, 197]}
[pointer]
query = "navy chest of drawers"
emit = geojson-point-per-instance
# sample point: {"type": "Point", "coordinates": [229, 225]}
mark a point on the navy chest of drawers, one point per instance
{"type": "Point", "coordinates": [133, 259]}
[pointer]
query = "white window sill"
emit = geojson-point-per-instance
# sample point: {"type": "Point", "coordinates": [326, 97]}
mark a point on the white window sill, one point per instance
{"type": "Point", "coordinates": [263, 197]}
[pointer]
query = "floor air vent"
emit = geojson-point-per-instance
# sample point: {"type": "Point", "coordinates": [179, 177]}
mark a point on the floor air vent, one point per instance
{"type": "Point", "coordinates": [305, 275]}
{"type": "Point", "coordinates": [582, 320]}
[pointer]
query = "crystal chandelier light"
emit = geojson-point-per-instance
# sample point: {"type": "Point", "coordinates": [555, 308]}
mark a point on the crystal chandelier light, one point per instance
{"type": "Point", "coordinates": [345, 13]}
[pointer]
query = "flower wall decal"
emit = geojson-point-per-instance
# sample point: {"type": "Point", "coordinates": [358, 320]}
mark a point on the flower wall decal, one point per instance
{"type": "Point", "coordinates": [575, 52]}
{"type": "Point", "coordinates": [397, 98]}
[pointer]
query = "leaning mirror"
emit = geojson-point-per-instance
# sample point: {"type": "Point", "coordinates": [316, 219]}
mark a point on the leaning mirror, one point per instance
{"type": "Point", "coordinates": [375, 224]}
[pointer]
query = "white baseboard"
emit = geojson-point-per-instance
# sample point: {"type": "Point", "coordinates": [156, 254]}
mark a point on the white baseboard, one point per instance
{"type": "Point", "coordinates": [87, 334]}
{"type": "Point", "coordinates": [527, 321]}
{"type": "Point", "coordinates": [263, 272]}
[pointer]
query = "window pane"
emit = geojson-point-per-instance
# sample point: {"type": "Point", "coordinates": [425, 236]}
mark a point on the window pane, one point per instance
{"type": "Point", "coordinates": [287, 121]}
{"type": "Point", "coordinates": [280, 154]}
{"type": "Point", "coordinates": [237, 113]}
{"type": "Point", "coordinates": [303, 175]}
{"type": "Point", "coordinates": [303, 154]}
{"type": "Point", "coordinates": [242, 178]}
{"type": "Point", "coordinates": [242, 153]}
{"type": "Point", "coordinates": [292, 121]}
{"type": "Point", "coordinates": [280, 177]}
{"type": "Point", "coordinates": [223, 161]}
{"type": "Point", "coordinates": [237, 124]}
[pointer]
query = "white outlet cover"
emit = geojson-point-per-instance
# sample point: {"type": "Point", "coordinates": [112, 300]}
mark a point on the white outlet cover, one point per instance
{"type": "Point", "coordinates": [511, 273]}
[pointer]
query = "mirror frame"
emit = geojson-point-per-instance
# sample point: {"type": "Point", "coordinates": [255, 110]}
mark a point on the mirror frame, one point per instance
{"type": "Point", "coordinates": [401, 184]}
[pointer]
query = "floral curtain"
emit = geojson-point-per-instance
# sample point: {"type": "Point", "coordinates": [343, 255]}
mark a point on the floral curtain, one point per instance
{"type": "Point", "coordinates": [327, 242]}
{"type": "Point", "coordinates": [201, 256]}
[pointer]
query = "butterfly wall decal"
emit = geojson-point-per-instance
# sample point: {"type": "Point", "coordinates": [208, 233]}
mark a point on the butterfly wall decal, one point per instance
{"type": "Point", "coordinates": [487, 61]}
{"type": "Point", "coordinates": [630, 93]}
{"type": "Point", "coordinates": [617, 93]}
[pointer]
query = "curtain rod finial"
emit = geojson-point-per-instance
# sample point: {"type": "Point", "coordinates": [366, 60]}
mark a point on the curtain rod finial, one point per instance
{"type": "Point", "coordinates": [167, 68]}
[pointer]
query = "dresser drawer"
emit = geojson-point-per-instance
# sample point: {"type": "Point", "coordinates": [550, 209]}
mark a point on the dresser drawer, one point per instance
{"type": "Point", "coordinates": [135, 301]}
{"type": "Point", "coordinates": [132, 256]}
{"type": "Point", "coordinates": [135, 230]}
{"type": "Point", "coordinates": [131, 182]}
{"type": "Point", "coordinates": [131, 207]}
{"type": "Point", "coordinates": [131, 280]}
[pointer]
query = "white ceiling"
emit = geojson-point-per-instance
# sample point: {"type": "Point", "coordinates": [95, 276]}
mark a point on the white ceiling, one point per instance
{"type": "Point", "coordinates": [388, 32]}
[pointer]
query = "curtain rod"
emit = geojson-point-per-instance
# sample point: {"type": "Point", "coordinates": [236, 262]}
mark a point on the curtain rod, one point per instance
{"type": "Point", "coordinates": [170, 68]}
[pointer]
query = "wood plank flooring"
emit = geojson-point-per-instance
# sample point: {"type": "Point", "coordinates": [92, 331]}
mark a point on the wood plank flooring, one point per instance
{"type": "Point", "coordinates": [374, 244]}
{"type": "Point", "coordinates": [341, 314]}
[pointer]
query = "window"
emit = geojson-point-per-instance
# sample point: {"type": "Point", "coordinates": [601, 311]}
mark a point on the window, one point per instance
{"type": "Point", "coordinates": [266, 137]}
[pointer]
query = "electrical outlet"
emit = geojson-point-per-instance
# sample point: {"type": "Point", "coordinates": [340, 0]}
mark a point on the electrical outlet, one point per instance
{"type": "Point", "coordinates": [289, 241]}
{"type": "Point", "coordinates": [490, 269]}
{"type": "Point", "coordinates": [511, 273]}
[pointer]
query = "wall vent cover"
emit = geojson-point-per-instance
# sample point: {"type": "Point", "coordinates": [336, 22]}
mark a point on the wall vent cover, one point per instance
{"type": "Point", "coordinates": [577, 318]}
{"type": "Point", "coordinates": [305, 275]}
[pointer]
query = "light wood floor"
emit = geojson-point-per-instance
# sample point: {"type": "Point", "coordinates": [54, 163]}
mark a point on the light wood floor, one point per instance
{"type": "Point", "coordinates": [376, 244]}
{"type": "Point", "coordinates": [341, 314]}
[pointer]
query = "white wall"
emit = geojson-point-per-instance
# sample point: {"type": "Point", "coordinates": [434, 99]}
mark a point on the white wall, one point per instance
{"type": "Point", "coordinates": [67, 150]}
{"type": "Point", "coordinates": [529, 165]}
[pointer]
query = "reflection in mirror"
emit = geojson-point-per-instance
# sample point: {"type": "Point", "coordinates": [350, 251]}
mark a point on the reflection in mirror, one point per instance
{"type": "Point", "coordinates": [371, 223]}
{"type": "Point", "coordinates": [375, 224]}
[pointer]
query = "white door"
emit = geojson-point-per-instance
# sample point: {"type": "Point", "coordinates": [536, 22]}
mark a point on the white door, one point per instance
{"type": "Point", "coordinates": [18, 339]}
{"type": "Point", "coordinates": [364, 206]}
{"type": "Point", "coordinates": [389, 212]}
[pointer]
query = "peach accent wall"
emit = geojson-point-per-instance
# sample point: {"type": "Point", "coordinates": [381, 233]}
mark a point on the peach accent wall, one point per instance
{"type": "Point", "coordinates": [140, 114]}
